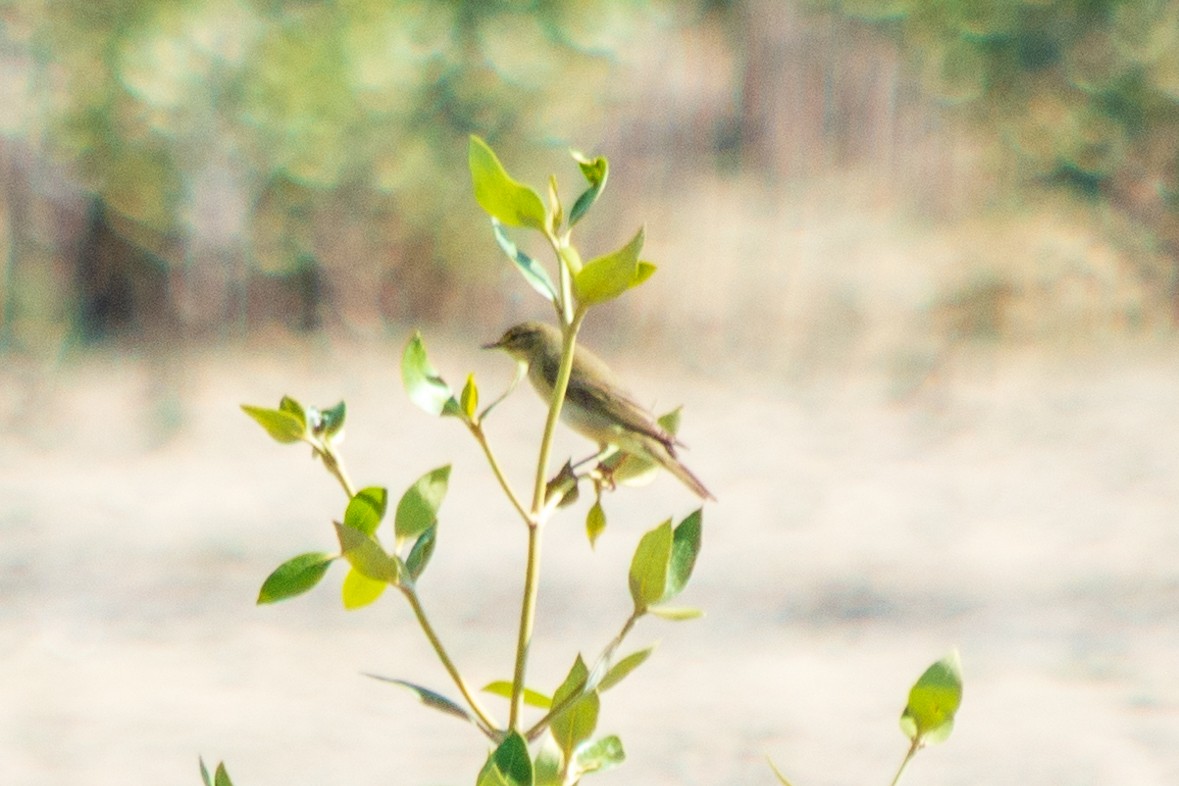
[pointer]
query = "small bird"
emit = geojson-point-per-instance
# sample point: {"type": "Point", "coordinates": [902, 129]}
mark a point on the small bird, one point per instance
{"type": "Point", "coordinates": [595, 405]}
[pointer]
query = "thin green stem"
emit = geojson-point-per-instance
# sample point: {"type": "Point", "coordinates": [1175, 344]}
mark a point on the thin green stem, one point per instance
{"type": "Point", "coordinates": [568, 342]}
{"type": "Point", "coordinates": [916, 746]}
{"type": "Point", "coordinates": [481, 438]}
{"type": "Point", "coordinates": [335, 465]}
{"type": "Point", "coordinates": [484, 721]}
{"type": "Point", "coordinates": [527, 620]}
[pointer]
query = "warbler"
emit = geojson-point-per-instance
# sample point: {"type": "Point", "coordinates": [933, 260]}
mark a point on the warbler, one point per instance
{"type": "Point", "coordinates": [596, 406]}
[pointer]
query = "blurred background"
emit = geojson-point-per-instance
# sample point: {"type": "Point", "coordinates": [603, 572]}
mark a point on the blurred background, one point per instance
{"type": "Point", "coordinates": [916, 288]}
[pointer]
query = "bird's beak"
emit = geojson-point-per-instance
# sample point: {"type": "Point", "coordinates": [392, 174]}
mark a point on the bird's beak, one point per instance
{"type": "Point", "coordinates": [493, 345]}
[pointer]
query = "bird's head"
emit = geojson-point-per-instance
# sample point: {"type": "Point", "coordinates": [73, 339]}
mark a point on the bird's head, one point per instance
{"type": "Point", "coordinates": [529, 340]}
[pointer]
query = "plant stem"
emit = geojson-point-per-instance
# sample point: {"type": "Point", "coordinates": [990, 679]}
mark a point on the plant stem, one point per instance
{"type": "Point", "coordinates": [481, 438]}
{"type": "Point", "coordinates": [335, 465]}
{"type": "Point", "coordinates": [486, 724]}
{"type": "Point", "coordinates": [916, 746]}
{"type": "Point", "coordinates": [536, 521]}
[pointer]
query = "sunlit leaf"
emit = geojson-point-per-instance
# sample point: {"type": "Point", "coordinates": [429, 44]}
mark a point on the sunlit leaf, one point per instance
{"type": "Point", "coordinates": [595, 522]}
{"type": "Point", "coordinates": [469, 398]}
{"type": "Point", "coordinates": [532, 697]}
{"type": "Point", "coordinates": [295, 576]}
{"type": "Point", "coordinates": [281, 425]}
{"type": "Point", "coordinates": [419, 555]}
{"type": "Point", "coordinates": [558, 212]}
{"type": "Point", "coordinates": [606, 277]}
{"type": "Point", "coordinates": [503, 198]}
{"type": "Point", "coordinates": [366, 509]}
{"type": "Point", "coordinates": [549, 764]}
{"type": "Point", "coordinates": [428, 697]}
{"type": "Point", "coordinates": [423, 384]}
{"type": "Point", "coordinates": [599, 755]}
{"type": "Point", "coordinates": [622, 668]}
{"type": "Point", "coordinates": [332, 420]}
{"type": "Point", "coordinates": [595, 171]}
{"type": "Point", "coordinates": [933, 701]}
{"type": "Point", "coordinates": [577, 721]}
{"type": "Point", "coordinates": [649, 566]}
{"type": "Point", "coordinates": [417, 509]}
{"type": "Point", "coordinates": [358, 590]}
{"type": "Point", "coordinates": [508, 765]}
{"type": "Point", "coordinates": [676, 613]}
{"type": "Point", "coordinates": [365, 554]}
{"type": "Point", "coordinates": [533, 272]}
{"type": "Point", "coordinates": [684, 549]}
{"type": "Point", "coordinates": [221, 777]}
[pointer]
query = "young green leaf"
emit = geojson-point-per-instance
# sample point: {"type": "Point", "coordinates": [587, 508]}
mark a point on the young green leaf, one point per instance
{"type": "Point", "coordinates": [295, 576]}
{"type": "Point", "coordinates": [595, 522]}
{"type": "Point", "coordinates": [358, 590]}
{"type": "Point", "coordinates": [508, 200]}
{"type": "Point", "coordinates": [364, 553]}
{"type": "Point", "coordinates": [557, 211]}
{"type": "Point", "coordinates": [606, 277]}
{"type": "Point", "coordinates": [417, 510]}
{"type": "Point", "coordinates": [366, 509]}
{"type": "Point", "coordinates": [531, 697]}
{"type": "Point", "coordinates": [221, 777]}
{"type": "Point", "coordinates": [549, 765]}
{"type": "Point", "coordinates": [649, 566]}
{"type": "Point", "coordinates": [599, 755]}
{"type": "Point", "coordinates": [508, 765]}
{"type": "Point", "coordinates": [533, 272]}
{"type": "Point", "coordinates": [419, 555]}
{"type": "Point", "coordinates": [933, 701]}
{"type": "Point", "coordinates": [204, 772]}
{"type": "Point", "coordinates": [428, 697]}
{"type": "Point", "coordinates": [469, 398]}
{"type": "Point", "coordinates": [684, 548]}
{"type": "Point", "coordinates": [574, 724]}
{"type": "Point", "coordinates": [425, 388]}
{"type": "Point", "coordinates": [676, 613]}
{"type": "Point", "coordinates": [331, 421]}
{"type": "Point", "coordinates": [281, 425]}
{"type": "Point", "coordinates": [619, 671]}
{"type": "Point", "coordinates": [595, 171]}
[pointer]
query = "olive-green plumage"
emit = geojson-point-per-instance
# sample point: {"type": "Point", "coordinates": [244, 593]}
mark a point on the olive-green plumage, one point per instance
{"type": "Point", "coordinates": [596, 406]}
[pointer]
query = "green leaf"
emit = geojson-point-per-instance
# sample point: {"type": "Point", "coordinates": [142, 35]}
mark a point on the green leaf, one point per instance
{"type": "Point", "coordinates": [606, 277]}
{"type": "Point", "coordinates": [281, 425]}
{"type": "Point", "coordinates": [533, 272]}
{"type": "Point", "coordinates": [549, 764]}
{"type": "Point", "coordinates": [417, 510]}
{"type": "Point", "coordinates": [596, 171]}
{"type": "Point", "coordinates": [599, 755]}
{"type": "Point", "coordinates": [359, 590]}
{"type": "Point", "coordinates": [469, 398]}
{"type": "Point", "coordinates": [425, 388]}
{"type": "Point", "coordinates": [419, 555]}
{"type": "Point", "coordinates": [649, 566]}
{"type": "Point", "coordinates": [531, 697]}
{"type": "Point", "coordinates": [221, 777]}
{"type": "Point", "coordinates": [295, 576]}
{"type": "Point", "coordinates": [366, 509]}
{"type": "Point", "coordinates": [558, 211]}
{"type": "Point", "coordinates": [684, 548]}
{"type": "Point", "coordinates": [933, 701]}
{"type": "Point", "coordinates": [508, 200]}
{"type": "Point", "coordinates": [428, 697]}
{"type": "Point", "coordinates": [508, 765]}
{"type": "Point", "coordinates": [595, 522]}
{"type": "Point", "coordinates": [365, 554]}
{"type": "Point", "coordinates": [670, 421]}
{"type": "Point", "coordinates": [576, 722]}
{"type": "Point", "coordinates": [331, 421]}
{"type": "Point", "coordinates": [676, 613]}
{"type": "Point", "coordinates": [777, 773]}
{"type": "Point", "coordinates": [204, 772]}
{"type": "Point", "coordinates": [622, 668]}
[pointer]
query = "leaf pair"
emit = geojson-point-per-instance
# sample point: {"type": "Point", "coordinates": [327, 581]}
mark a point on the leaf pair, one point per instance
{"type": "Point", "coordinates": [662, 565]}
{"type": "Point", "coordinates": [511, 203]}
{"type": "Point", "coordinates": [290, 422]}
{"type": "Point", "coordinates": [373, 569]}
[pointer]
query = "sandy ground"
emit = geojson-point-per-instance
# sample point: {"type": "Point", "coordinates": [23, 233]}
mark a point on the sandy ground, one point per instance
{"type": "Point", "coordinates": [1018, 506]}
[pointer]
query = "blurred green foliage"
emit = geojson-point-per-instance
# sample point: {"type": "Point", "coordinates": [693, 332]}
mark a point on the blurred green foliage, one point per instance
{"type": "Point", "coordinates": [210, 117]}
{"type": "Point", "coordinates": [1085, 92]}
